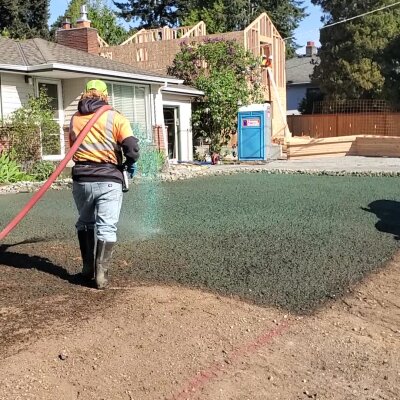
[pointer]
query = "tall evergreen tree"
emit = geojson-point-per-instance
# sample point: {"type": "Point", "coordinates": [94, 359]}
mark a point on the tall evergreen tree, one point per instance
{"type": "Point", "coordinates": [8, 15]}
{"type": "Point", "coordinates": [213, 13]}
{"type": "Point", "coordinates": [23, 19]}
{"type": "Point", "coordinates": [150, 13]}
{"type": "Point", "coordinates": [353, 54]}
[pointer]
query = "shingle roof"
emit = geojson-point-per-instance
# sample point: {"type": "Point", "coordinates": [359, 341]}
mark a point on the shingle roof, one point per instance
{"type": "Point", "coordinates": [33, 52]}
{"type": "Point", "coordinates": [299, 69]}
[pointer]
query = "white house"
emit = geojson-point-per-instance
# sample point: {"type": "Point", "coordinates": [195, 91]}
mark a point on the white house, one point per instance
{"type": "Point", "coordinates": [158, 105]}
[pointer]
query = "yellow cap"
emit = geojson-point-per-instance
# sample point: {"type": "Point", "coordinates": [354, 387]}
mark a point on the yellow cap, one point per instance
{"type": "Point", "coordinates": [97, 84]}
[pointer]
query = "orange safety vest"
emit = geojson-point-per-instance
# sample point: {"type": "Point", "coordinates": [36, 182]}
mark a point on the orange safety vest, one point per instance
{"type": "Point", "coordinates": [102, 143]}
{"type": "Point", "coordinates": [265, 63]}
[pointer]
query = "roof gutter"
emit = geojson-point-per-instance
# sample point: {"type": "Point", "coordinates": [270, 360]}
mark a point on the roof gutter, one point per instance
{"type": "Point", "coordinates": [189, 92]}
{"type": "Point", "coordinates": [16, 68]}
{"type": "Point", "coordinates": [297, 83]}
{"type": "Point", "coordinates": [90, 71]}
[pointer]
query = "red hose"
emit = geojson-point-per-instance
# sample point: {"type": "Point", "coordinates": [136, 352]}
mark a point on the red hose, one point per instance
{"type": "Point", "coordinates": [36, 197]}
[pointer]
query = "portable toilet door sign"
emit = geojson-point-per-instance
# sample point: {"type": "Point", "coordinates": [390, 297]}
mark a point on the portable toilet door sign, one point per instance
{"type": "Point", "coordinates": [253, 132]}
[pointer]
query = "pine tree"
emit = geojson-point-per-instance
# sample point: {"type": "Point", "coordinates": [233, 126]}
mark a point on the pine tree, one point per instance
{"type": "Point", "coordinates": [150, 13]}
{"type": "Point", "coordinates": [8, 14]}
{"type": "Point", "coordinates": [23, 19]}
{"type": "Point", "coordinates": [353, 54]}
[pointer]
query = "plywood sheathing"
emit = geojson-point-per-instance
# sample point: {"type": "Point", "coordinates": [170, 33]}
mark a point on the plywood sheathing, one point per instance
{"type": "Point", "coordinates": [372, 146]}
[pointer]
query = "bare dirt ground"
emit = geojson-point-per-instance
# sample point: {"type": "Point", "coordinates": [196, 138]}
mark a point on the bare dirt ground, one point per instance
{"type": "Point", "coordinates": [61, 340]}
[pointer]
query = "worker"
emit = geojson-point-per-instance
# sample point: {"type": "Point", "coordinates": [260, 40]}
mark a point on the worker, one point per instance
{"type": "Point", "coordinates": [266, 62]}
{"type": "Point", "coordinates": [97, 179]}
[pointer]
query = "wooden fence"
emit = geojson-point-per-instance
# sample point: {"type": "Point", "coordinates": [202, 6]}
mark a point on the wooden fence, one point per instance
{"type": "Point", "coordinates": [333, 125]}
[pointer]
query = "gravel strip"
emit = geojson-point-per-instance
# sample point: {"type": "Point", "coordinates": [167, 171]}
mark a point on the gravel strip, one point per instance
{"type": "Point", "coordinates": [190, 171]}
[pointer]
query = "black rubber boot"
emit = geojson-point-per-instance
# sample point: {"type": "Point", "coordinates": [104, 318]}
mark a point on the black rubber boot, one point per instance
{"type": "Point", "coordinates": [86, 243]}
{"type": "Point", "coordinates": [103, 257]}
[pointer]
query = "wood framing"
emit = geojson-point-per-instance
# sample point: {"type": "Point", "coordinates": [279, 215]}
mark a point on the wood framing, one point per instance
{"type": "Point", "coordinates": [155, 49]}
{"type": "Point", "coordinates": [371, 146]}
{"type": "Point", "coordinates": [166, 33]}
{"type": "Point", "coordinates": [263, 39]}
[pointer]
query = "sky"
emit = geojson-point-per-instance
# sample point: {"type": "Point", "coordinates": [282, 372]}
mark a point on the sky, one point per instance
{"type": "Point", "coordinates": [307, 31]}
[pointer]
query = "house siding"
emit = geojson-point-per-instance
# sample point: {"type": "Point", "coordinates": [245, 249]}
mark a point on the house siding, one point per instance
{"type": "Point", "coordinates": [72, 90]}
{"type": "Point", "coordinates": [14, 93]}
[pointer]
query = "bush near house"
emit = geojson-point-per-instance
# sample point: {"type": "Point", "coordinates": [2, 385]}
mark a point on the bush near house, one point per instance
{"type": "Point", "coordinates": [10, 170]}
{"type": "Point", "coordinates": [32, 131]}
{"type": "Point", "coordinates": [29, 132]}
{"type": "Point", "coordinates": [151, 160]}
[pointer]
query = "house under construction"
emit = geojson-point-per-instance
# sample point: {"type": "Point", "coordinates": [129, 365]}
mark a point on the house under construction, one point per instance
{"type": "Point", "coordinates": [155, 49]}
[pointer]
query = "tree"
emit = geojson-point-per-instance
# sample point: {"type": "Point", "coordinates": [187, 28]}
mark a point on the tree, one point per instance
{"type": "Point", "coordinates": [32, 131]}
{"type": "Point", "coordinates": [101, 16]}
{"type": "Point", "coordinates": [306, 105]}
{"type": "Point", "coordinates": [212, 13]}
{"type": "Point", "coordinates": [353, 61]}
{"type": "Point", "coordinates": [228, 74]}
{"type": "Point", "coordinates": [150, 13]}
{"type": "Point", "coordinates": [24, 19]}
{"type": "Point", "coordinates": [391, 71]}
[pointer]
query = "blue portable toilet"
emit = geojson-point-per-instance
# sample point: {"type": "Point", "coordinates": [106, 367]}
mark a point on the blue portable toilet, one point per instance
{"type": "Point", "coordinates": [254, 132]}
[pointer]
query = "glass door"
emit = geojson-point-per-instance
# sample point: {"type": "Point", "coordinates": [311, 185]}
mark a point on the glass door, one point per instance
{"type": "Point", "coordinates": [171, 123]}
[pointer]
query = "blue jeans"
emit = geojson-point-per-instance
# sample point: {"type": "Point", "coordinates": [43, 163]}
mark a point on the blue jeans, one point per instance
{"type": "Point", "coordinates": [99, 205]}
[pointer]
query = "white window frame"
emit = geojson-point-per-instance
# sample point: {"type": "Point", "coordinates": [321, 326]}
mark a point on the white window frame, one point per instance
{"type": "Point", "coordinates": [147, 101]}
{"type": "Point", "coordinates": [61, 116]}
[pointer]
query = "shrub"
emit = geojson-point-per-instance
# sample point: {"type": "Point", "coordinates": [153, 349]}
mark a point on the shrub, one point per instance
{"type": "Point", "coordinates": [151, 160]}
{"type": "Point", "coordinates": [10, 170]}
{"type": "Point", "coordinates": [41, 170]}
{"type": "Point", "coordinates": [31, 130]}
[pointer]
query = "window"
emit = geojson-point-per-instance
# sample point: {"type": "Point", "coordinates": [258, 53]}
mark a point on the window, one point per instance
{"type": "Point", "coordinates": [53, 147]}
{"type": "Point", "coordinates": [132, 102]}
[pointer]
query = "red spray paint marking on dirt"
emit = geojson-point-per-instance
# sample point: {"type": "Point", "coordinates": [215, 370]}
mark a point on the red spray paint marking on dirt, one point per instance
{"type": "Point", "coordinates": [216, 369]}
{"type": "Point", "coordinates": [38, 195]}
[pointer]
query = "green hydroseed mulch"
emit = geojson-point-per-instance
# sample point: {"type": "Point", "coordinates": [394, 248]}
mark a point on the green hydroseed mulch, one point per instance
{"type": "Point", "coordinates": [291, 241]}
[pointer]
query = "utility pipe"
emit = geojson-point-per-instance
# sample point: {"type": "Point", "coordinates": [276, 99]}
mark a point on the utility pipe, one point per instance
{"type": "Point", "coordinates": [36, 197]}
{"type": "Point", "coordinates": [164, 129]}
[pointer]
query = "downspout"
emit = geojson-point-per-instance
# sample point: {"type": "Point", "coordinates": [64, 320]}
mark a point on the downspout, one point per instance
{"type": "Point", "coordinates": [163, 127]}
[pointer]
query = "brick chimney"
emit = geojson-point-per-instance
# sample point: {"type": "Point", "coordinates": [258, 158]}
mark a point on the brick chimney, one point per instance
{"type": "Point", "coordinates": [81, 37]}
{"type": "Point", "coordinates": [311, 49]}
